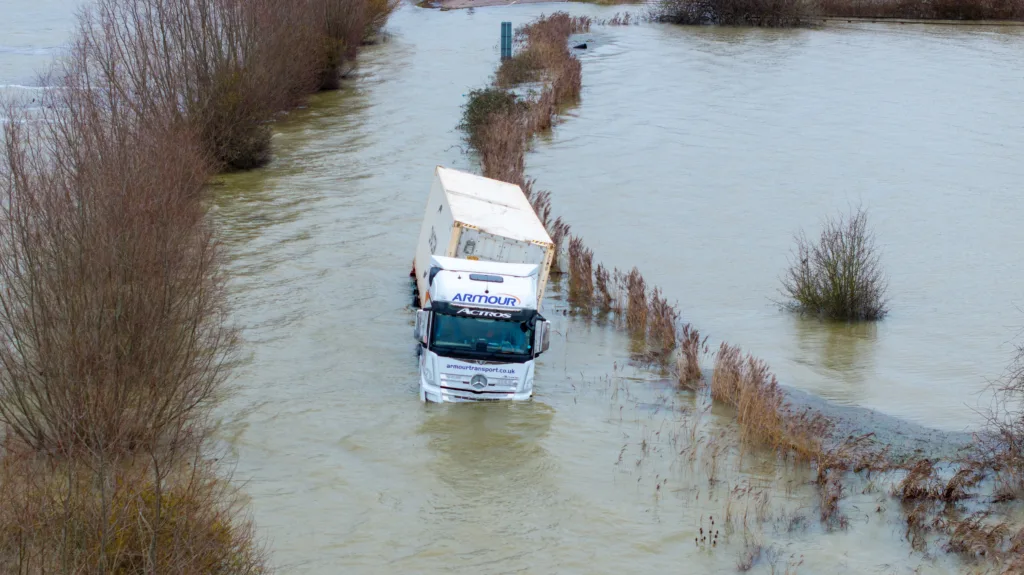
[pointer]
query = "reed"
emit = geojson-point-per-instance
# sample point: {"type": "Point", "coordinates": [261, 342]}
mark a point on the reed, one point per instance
{"type": "Point", "coordinates": [691, 349]}
{"type": "Point", "coordinates": [661, 326]}
{"type": "Point", "coordinates": [581, 276]}
{"type": "Point", "coordinates": [602, 289]}
{"type": "Point", "coordinates": [636, 306]}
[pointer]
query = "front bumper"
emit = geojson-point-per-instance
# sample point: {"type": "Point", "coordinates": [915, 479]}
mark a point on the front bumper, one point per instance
{"type": "Point", "coordinates": [438, 394]}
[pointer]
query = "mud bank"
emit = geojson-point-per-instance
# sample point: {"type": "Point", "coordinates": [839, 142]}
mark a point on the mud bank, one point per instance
{"type": "Point", "coordinates": [906, 440]}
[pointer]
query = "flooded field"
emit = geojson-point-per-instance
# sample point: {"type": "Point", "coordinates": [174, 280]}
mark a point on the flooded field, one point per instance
{"type": "Point", "coordinates": [694, 155]}
{"type": "Point", "coordinates": [31, 34]}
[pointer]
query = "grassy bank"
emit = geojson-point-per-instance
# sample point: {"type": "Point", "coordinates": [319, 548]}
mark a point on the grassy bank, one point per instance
{"type": "Point", "coordinates": [952, 505]}
{"type": "Point", "coordinates": [114, 310]}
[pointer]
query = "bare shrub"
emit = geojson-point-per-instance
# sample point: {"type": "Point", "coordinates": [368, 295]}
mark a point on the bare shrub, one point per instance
{"type": "Point", "coordinates": [524, 67]}
{"type": "Point", "coordinates": [636, 308]}
{"type": "Point", "coordinates": [226, 68]}
{"type": "Point", "coordinates": [581, 277]}
{"type": "Point", "coordinates": [378, 12]}
{"type": "Point", "coordinates": [840, 276]}
{"type": "Point", "coordinates": [341, 27]}
{"type": "Point", "coordinates": [766, 13]}
{"type": "Point", "coordinates": [1000, 445]}
{"type": "Point", "coordinates": [113, 309]}
{"type": "Point", "coordinates": [691, 349]}
{"type": "Point", "coordinates": [90, 516]}
{"type": "Point", "coordinates": [942, 9]}
{"type": "Point", "coordinates": [481, 106]}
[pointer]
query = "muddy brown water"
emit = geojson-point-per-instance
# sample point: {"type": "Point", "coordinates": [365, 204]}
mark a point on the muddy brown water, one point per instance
{"type": "Point", "coordinates": [694, 155]}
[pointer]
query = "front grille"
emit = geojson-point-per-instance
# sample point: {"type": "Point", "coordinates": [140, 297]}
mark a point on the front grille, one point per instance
{"type": "Point", "coordinates": [464, 383]}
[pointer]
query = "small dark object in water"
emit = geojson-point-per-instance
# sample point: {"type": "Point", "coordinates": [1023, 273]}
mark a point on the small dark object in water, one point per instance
{"type": "Point", "coordinates": [582, 46]}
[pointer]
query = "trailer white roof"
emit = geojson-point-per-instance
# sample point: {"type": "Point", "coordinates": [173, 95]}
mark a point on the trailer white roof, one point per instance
{"type": "Point", "coordinates": [493, 206]}
{"type": "Point", "coordinates": [484, 267]}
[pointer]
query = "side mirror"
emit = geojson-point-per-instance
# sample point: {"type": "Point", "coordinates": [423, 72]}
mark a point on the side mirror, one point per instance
{"type": "Point", "coordinates": [422, 323]}
{"type": "Point", "coordinates": [542, 337]}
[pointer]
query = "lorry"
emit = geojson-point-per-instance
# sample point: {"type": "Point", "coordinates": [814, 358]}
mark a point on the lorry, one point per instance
{"type": "Point", "coordinates": [480, 269]}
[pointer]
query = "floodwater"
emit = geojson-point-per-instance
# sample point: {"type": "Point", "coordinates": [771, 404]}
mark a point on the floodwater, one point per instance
{"type": "Point", "coordinates": [694, 155]}
{"type": "Point", "coordinates": [31, 35]}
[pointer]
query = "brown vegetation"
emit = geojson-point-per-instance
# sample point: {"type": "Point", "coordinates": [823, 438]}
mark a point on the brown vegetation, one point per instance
{"type": "Point", "coordinates": [84, 515]}
{"type": "Point", "coordinates": [498, 123]}
{"type": "Point", "coordinates": [661, 329]}
{"type": "Point", "coordinates": [581, 261]}
{"type": "Point", "coordinates": [841, 271]}
{"type": "Point", "coordinates": [113, 311]}
{"type": "Point", "coordinates": [940, 10]}
{"type": "Point", "coordinates": [840, 276]}
{"type": "Point", "coordinates": [767, 13]}
{"type": "Point", "coordinates": [790, 13]}
{"type": "Point", "coordinates": [691, 349]}
{"type": "Point", "coordinates": [1001, 446]}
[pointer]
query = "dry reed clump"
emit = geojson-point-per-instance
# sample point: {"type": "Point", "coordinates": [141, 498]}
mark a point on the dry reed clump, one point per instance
{"type": "Point", "coordinates": [623, 19]}
{"type": "Point", "coordinates": [691, 349]}
{"type": "Point", "coordinates": [746, 383]}
{"type": "Point", "coordinates": [765, 13]}
{"type": "Point", "coordinates": [661, 326]}
{"type": "Point", "coordinates": [581, 276]}
{"type": "Point", "coordinates": [831, 491]}
{"type": "Point", "coordinates": [937, 10]}
{"type": "Point", "coordinates": [636, 306]}
{"type": "Point", "coordinates": [542, 111]}
{"type": "Point", "coordinates": [502, 146]}
{"type": "Point", "coordinates": [85, 515]}
{"type": "Point", "coordinates": [923, 482]}
{"type": "Point", "coordinates": [976, 536]}
{"type": "Point", "coordinates": [839, 276]}
{"type": "Point", "coordinates": [556, 227]}
{"type": "Point", "coordinates": [602, 289]}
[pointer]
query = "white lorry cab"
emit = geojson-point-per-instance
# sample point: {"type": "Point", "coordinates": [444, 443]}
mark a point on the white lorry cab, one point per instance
{"type": "Point", "coordinates": [480, 332]}
{"type": "Point", "coordinates": [480, 269]}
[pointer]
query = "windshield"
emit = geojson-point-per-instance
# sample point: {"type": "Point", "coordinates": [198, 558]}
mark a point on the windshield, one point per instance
{"type": "Point", "coordinates": [481, 338]}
